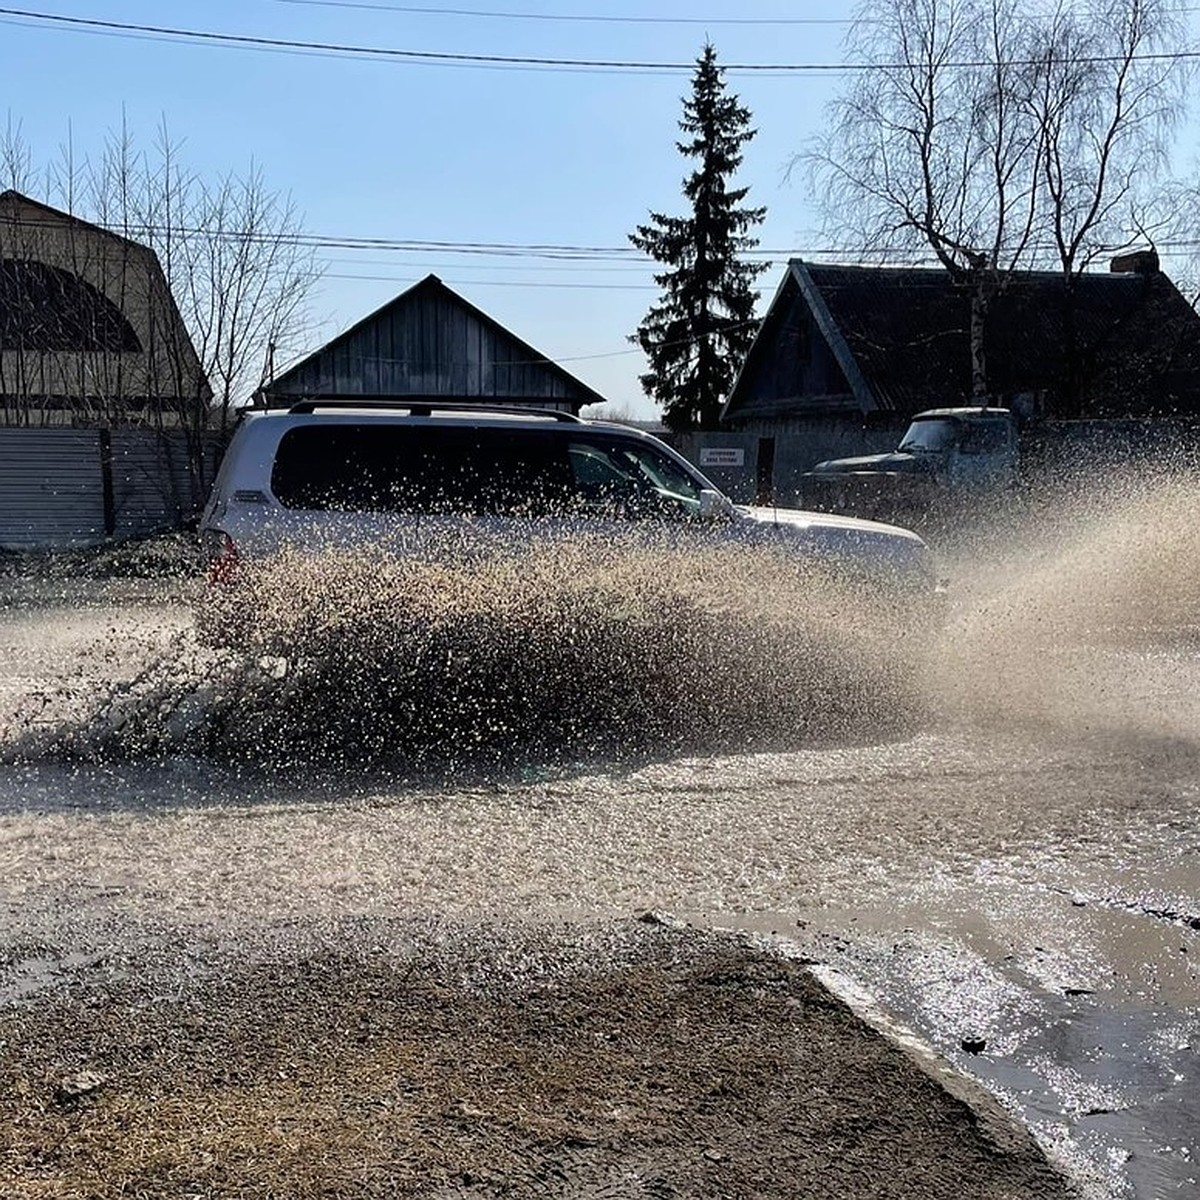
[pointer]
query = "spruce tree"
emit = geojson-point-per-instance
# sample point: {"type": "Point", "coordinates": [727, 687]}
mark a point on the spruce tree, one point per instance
{"type": "Point", "coordinates": [697, 334]}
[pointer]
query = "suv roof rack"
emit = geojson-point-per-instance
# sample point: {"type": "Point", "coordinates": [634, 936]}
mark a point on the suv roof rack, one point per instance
{"type": "Point", "coordinates": [425, 408]}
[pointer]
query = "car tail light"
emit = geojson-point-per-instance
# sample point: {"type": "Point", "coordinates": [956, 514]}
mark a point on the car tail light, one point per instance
{"type": "Point", "coordinates": [221, 554]}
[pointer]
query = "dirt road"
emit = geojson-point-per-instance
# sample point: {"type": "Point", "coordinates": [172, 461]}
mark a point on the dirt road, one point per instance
{"type": "Point", "coordinates": [449, 1063]}
{"type": "Point", "coordinates": [1016, 880]}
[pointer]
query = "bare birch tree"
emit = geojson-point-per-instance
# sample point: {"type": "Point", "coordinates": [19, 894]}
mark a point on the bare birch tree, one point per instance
{"type": "Point", "coordinates": [934, 145]}
{"type": "Point", "coordinates": [997, 137]}
{"type": "Point", "coordinates": [1108, 95]}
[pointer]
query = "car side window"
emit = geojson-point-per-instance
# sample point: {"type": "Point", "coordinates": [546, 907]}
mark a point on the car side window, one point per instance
{"type": "Point", "coordinates": [984, 439]}
{"type": "Point", "coordinates": [431, 470]}
{"type": "Point", "coordinates": [630, 478]}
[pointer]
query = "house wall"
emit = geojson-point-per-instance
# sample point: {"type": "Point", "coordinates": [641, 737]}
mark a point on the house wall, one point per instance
{"type": "Point", "coordinates": [52, 486]}
{"type": "Point", "coordinates": [797, 445]}
{"type": "Point", "coordinates": [161, 363]}
{"type": "Point", "coordinates": [739, 481]}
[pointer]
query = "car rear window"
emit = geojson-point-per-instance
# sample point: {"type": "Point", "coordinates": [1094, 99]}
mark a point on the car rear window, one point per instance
{"type": "Point", "coordinates": [421, 469]}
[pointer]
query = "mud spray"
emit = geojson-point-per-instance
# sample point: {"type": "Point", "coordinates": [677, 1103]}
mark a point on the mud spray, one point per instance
{"type": "Point", "coordinates": [1070, 624]}
{"type": "Point", "coordinates": [601, 651]}
{"type": "Point", "coordinates": [546, 653]}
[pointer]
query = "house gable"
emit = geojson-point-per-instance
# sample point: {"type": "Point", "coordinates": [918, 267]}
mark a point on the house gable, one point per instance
{"type": "Point", "coordinates": [88, 325]}
{"type": "Point", "coordinates": [431, 343]}
{"type": "Point", "coordinates": [794, 364]}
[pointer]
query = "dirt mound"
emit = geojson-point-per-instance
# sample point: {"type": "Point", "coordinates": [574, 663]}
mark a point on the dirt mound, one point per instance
{"type": "Point", "coordinates": [697, 1067]}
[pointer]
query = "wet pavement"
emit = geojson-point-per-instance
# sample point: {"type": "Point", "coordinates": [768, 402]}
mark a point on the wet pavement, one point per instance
{"type": "Point", "coordinates": [1023, 893]}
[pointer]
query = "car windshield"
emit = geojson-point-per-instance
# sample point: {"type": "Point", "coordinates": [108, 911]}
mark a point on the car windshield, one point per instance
{"type": "Point", "coordinates": [934, 434]}
{"type": "Point", "coordinates": [632, 474]}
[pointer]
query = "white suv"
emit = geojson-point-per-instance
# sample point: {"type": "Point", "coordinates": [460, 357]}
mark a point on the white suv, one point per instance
{"type": "Point", "coordinates": [387, 472]}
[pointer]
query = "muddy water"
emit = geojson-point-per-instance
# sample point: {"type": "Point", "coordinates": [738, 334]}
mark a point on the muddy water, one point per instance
{"type": "Point", "coordinates": [1017, 868]}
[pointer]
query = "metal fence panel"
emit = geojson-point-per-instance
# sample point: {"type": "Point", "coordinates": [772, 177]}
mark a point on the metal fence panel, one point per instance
{"type": "Point", "coordinates": [50, 488]}
{"type": "Point", "coordinates": [152, 482]}
{"type": "Point", "coordinates": [52, 485]}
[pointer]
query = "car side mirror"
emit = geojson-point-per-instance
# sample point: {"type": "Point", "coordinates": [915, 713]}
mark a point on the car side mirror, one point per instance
{"type": "Point", "coordinates": [713, 504]}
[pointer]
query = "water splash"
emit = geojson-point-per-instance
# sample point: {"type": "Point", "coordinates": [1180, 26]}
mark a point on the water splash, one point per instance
{"type": "Point", "coordinates": [554, 651]}
{"type": "Point", "coordinates": [1075, 623]}
{"type": "Point", "coordinates": [597, 649]}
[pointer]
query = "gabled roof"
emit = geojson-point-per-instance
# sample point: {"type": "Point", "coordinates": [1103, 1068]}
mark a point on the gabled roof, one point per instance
{"type": "Point", "coordinates": [431, 342]}
{"type": "Point", "coordinates": [12, 201]}
{"type": "Point", "coordinates": [900, 336]}
{"type": "Point", "coordinates": [69, 287]}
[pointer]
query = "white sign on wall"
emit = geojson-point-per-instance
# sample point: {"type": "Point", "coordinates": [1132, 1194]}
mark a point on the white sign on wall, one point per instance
{"type": "Point", "coordinates": [722, 456]}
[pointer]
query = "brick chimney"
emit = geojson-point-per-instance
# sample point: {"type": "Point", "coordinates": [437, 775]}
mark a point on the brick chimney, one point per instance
{"type": "Point", "coordinates": [1139, 262]}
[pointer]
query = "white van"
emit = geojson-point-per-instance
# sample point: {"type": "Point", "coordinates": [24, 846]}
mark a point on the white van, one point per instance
{"type": "Point", "coordinates": [327, 472]}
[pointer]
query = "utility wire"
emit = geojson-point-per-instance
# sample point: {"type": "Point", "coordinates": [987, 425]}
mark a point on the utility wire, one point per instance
{"type": "Point", "coordinates": [505, 283]}
{"type": "Point", "coordinates": [519, 62]}
{"type": "Point", "coordinates": [548, 251]}
{"type": "Point", "coordinates": [551, 251]}
{"type": "Point", "coordinates": [595, 18]}
{"type": "Point", "coordinates": [382, 53]}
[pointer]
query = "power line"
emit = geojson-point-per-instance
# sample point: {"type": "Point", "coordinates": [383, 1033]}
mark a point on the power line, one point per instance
{"type": "Point", "coordinates": [506, 283]}
{"type": "Point", "coordinates": [381, 53]}
{"type": "Point", "coordinates": [630, 262]}
{"type": "Point", "coordinates": [591, 266]}
{"type": "Point", "coordinates": [585, 255]}
{"type": "Point", "coordinates": [593, 18]}
{"type": "Point", "coordinates": [549, 251]}
{"type": "Point", "coordinates": [513, 62]}
{"type": "Point", "coordinates": [573, 18]}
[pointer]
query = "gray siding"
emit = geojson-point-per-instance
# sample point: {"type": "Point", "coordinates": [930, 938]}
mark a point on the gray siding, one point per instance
{"type": "Point", "coordinates": [52, 486]}
{"type": "Point", "coordinates": [799, 444]}
{"type": "Point", "coordinates": [152, 483]}
{"type": "Point", "coordinates": [50, 493]}
{"type": "Point", "coordinates": [738, 483]}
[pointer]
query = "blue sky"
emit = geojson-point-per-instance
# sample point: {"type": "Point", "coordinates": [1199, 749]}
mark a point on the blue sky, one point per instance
{"type": "Point", "coordinates": [445, 153]}
{"type": "Point", "coordinates": [395, 150]}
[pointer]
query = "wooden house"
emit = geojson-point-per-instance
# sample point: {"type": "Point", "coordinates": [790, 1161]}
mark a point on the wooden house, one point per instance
{"type": "Point", "coordinates": [847, 354]}
{"type": "Point", "coordinates": [430, 343]}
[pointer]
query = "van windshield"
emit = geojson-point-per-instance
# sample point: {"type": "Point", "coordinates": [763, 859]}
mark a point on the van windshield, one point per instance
{"type": "Point", "coordinates": [936, 433]}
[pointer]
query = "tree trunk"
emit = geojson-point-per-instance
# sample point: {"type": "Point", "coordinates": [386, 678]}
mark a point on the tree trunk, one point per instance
{"type": "Point", "coordinates": [979, 309]}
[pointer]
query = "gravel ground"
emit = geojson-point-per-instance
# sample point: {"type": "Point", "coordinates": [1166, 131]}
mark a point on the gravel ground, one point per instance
{"type": "Point", "coordinates": [409, 1059]}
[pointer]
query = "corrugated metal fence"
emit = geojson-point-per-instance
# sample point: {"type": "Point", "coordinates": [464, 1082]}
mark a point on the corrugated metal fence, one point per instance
{"type": "Point", "coordinates": [72, 487]}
